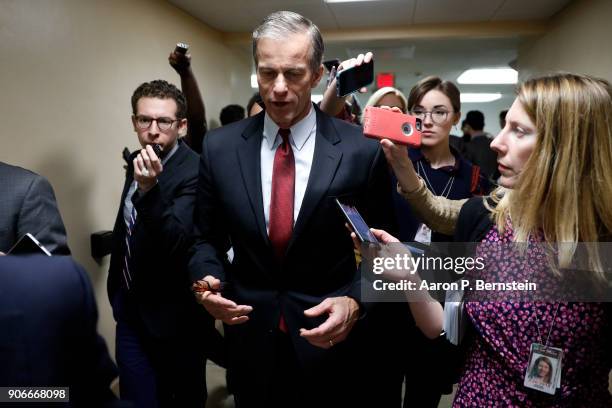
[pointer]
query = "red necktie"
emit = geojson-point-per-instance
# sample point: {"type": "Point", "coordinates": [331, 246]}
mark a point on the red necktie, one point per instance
{"type": "Point", "coordinates": [281, 198]}
{"type": "Point", "coordinates": [281, 202]}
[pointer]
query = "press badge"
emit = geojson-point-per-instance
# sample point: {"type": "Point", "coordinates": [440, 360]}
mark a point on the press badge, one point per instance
{"type": "Point", "coordinates": [423, 235]}
{"type": "Point", "coordinates": [544, 368]}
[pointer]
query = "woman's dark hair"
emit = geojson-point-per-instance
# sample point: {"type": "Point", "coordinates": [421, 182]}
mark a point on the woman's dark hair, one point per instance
{"type": "Point", "coordinates": [430, 83]}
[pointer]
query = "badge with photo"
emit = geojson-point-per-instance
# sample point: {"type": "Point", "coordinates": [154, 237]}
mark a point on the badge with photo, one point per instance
{"type": "Point", "coordinates": [544, 368]}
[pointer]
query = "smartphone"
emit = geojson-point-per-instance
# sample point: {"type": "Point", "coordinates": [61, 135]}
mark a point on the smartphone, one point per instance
{"type": "Point", "coordinates": [357, 223]}
{"type": "Point", "coordinates": [28, 245]}
{"type": "Point", "coordinates": [352, 79]}
{"type": "Point", "coordinates": [330, 64]}
{"type": "Point", "coordinates": [181, 48]}
{"type": "Point", "coordinates": [402, 129]}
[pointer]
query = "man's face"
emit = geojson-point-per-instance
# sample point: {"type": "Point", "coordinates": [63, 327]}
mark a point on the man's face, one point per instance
{"type": "Point", "coordinates": [164, 112]}
{"type": "Point", "coordinates": [285, 78]}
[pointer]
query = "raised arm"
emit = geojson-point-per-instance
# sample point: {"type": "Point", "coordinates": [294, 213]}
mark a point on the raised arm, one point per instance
{"type": "Point", "coordinates": [196, 113]}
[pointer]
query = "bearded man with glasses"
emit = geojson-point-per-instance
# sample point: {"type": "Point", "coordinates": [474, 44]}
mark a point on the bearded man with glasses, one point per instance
{"type": "Point", "coordinates": [161, 331]}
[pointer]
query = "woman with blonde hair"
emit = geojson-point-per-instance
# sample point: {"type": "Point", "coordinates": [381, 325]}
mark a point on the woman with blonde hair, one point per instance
{"type": "Point", "coordinates": [388, 96]}
{"type": "Point", "coordinates": [555, 160]}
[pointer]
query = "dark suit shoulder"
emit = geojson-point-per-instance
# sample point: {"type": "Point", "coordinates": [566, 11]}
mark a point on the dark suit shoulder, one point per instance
{"type": "Point", "coordinates": [232, 133]}
{"type": "Point", "coordinates": [353, 134]}
{"type": "Point", "coordinates": [16, 176]}
{"type": "Point", "coordinates": [33, 274]}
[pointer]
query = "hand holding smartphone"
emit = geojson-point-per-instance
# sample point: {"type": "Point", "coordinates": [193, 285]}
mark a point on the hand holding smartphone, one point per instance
{"type": "Point", "coordinates": [354, 78]}
{"type": "Point", "coordinates": [379, 123]}
{"type": "Point", "coordinates": [357, 223]}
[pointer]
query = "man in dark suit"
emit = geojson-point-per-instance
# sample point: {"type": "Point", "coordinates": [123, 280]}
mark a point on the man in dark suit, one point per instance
{"type": "Point", "coordinates": [160, 327]}
{"type": "Point", "coordinates": [267, 187]}
{"type": "Point", "coordinates": [48, 335]}
{"type": "Point", "coordinates": [27, 204]}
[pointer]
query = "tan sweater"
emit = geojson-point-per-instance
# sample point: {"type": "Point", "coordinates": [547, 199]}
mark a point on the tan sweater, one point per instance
{"type": "Point", "coordinates": [439, 213]}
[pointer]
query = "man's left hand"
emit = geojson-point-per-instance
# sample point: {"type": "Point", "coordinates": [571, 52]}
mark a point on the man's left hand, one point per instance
{"type": "Point", "coordinates": [343, 313]}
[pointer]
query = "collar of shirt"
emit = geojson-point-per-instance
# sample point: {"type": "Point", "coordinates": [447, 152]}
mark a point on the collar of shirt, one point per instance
{"type": "Point", "coordinates": [170, 153]}
{"type": "Point", "coordinates": [300, 132]}
{"type": "Point", "coordinates": [417, 155]}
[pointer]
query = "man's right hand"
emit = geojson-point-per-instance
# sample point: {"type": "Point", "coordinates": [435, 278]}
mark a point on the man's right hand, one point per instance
{"type": "Point", "coordinates": [219, 307]}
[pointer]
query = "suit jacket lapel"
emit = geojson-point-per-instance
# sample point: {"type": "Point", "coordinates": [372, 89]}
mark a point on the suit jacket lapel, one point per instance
{"type": "Point", "coordinates": [249, 160]}
{"type": "Point", "coordinates": [325, 162]}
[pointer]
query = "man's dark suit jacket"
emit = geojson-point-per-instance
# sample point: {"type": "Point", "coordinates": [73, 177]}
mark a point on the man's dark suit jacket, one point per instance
{"type": "Point", "coordinates": [319, 262]}
{"type": "Point", "coordinates": [27, 204]}
{"type": "Point", "coordinates": [161, 239]}
{"type": "Point", "coordinates": [479, 152]}
{"type": "Point", "coordinates": [48, 335]}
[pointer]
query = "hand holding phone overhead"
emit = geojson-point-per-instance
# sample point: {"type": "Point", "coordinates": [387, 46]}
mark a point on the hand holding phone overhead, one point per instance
{"type": "Point", "coordinates": [354, 74]}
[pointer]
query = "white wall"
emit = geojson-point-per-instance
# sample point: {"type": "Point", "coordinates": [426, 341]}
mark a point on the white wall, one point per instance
{"type": "Point", "coordinates": [67, 71]}
{"type": "Point", "coordinates": [578, 41]}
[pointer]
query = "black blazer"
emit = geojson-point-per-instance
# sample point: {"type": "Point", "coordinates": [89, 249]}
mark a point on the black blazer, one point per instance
{"type": "Point", "coordinates": [48, 335]}
{"type": "Point", "coordinates": [162, 237]}
{"type": "Point", "coordinates": [319, 261]}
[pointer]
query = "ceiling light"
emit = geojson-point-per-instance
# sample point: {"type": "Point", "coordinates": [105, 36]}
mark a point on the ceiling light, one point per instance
{"type": "Point", "coordinates": [254, 83]}
{"type": "Point", "coordinates": [480, 97]}
{"type": "Point", "coordinates": [488, 76]}
{"type": "Point", "coordinates": [346, 1]}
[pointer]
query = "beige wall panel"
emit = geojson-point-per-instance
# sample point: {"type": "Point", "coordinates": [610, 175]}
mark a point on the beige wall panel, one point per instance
{"type": "Point", "coordinates": [578, 40]}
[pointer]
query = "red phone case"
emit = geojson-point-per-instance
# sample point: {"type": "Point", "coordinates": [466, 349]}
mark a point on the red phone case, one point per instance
{"type": "Point", "coordinates": [402, 129]}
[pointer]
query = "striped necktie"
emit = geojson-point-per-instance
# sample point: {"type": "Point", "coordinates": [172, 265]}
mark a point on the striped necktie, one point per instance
{"type": "Point", "coordinates": [127, 276]}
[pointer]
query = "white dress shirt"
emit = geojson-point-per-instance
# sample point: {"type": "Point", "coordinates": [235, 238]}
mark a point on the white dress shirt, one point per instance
{"type": "Point", "coordinates": [302, 140]}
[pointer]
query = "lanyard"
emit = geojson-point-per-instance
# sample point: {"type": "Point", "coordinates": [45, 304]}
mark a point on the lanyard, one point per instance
{"type": "Point", "coordinates": [537, 322]}
{"type": "Point", "coordinates": [447, 188]}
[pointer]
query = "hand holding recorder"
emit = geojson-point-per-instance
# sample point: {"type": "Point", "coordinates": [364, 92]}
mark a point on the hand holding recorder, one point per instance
{"type": "Point", "coordinates": [147, 166]}
{"type": "Point", "coordinates": [179, 59]}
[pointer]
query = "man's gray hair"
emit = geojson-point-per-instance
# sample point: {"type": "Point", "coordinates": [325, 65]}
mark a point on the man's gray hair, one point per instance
{"type": "Point", "coordinates": [281, 23]}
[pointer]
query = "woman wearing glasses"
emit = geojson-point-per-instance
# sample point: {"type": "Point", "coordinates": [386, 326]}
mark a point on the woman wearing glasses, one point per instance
{"type": "Point", "coordinates": [446, 173]}
{"type": "Point", "coordinates": [555, 160]}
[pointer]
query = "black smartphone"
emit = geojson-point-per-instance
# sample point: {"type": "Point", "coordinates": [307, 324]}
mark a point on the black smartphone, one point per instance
{"type": "Point", "coordinates": [28, 245]}
{"type": "Point", "coordinates": [159, 151]}
{"type": "Point", "coordinates": [330, 64]}
{"type": "Point", "coordinates": [352, 79]}
{"type": "Point", "coordinates": [181, 48]}
{"type": "Point", "coordinates": [357, 223]}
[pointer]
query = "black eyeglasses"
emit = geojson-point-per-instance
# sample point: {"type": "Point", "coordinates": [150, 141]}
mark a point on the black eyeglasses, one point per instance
{"type": "Point", "coordinates": [144, 122]}
{"type": "Point", "coordinates": [438, 116]}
